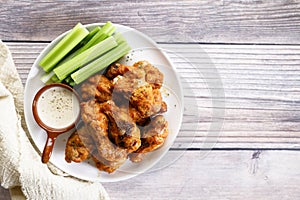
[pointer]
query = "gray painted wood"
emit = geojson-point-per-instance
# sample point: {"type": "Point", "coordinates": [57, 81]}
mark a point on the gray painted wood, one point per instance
{"type": "Point", "coordinates": [214, 175]}
{"type": "Point", "coordinates": [207, 21]}
{"type": "Point", "coordinates": [234, 175]}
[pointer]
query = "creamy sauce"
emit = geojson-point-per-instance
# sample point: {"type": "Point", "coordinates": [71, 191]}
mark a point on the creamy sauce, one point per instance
{"type": "Point", "coordinates": [58, 107]}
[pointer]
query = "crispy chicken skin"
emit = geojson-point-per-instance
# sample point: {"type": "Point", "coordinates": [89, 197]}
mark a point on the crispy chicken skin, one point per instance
{"type": "Point", "coordinates": [141, 69]}
{"type": "Point", "coordinates": [97, 124]}
{"type": "Point", "coordinates": [143, 99]}
{"type": "Point", "coordinates": [123, 131]}
{"type": "Point", "coordinates": [164, 107]}
{"type": "Point", "coordinates": [98, 87]}
{"type": "Point", "coordinates": [108, 166]}
{"type": "Point", "coordinates": [152, 75]}
{"type": "Point", "coordinates": [153, 137]}
{"type": "Point", "coordinates": [140, 85]}
{"type": "Point", "coordinates": [147, 101]}
{"type": "Point", "coordinates": [126, 85]}
{"type": "Point", "coordinates": [117, 69]}
{"type": "Point", "coordinates": [76, 150]}
{"type": "Point", "coordinates": [135, 115]}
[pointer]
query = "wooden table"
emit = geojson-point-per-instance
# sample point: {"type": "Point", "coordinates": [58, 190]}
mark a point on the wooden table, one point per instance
{"type": "Point", "coordinates": [254, 46]}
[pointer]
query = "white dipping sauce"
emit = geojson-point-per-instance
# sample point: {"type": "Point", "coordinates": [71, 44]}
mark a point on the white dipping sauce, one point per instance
{"type": "Point", "coordinates": [58, 107]}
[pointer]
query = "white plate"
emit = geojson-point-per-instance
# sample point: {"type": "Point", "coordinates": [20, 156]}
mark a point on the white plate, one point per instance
{"type": "Point", "coordinates": [143, 48]}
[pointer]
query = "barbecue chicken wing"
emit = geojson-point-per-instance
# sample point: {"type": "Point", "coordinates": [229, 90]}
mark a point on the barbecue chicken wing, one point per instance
{"type": "Point", "coordinates": [152, 75]}
{"type": "Point", "coordinates": [135, 115]}
{"type": "Point", "coordinates": [153, 137]}
{"type": "Point", "coordinates": [123, 131]}
{"type": "Point", "coordinates": [147, 101]}
{"type": "Point", "coordinates": [117, 69]}
{"type": "Point", "coordinates": [97, 123]}
{"type": "Point", "coordinates": [140, 70]}
{"type": "Point", "coordinates": [76, 150]}
{"type": "Point", "coordinates": [97, 86]}
{"type": "Point", "coordinates": [140, 85]}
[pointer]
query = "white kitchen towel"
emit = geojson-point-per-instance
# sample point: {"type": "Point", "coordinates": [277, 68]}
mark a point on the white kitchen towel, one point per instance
{"type": "Point", "coordinates": [20, 164]}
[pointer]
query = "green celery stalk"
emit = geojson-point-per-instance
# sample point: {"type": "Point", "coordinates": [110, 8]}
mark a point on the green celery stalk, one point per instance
{"type": "Point", "coordinates": [119, 38]}
{"type": "Point", "coordinates": [106, 32]}
{"type": "Point", "coordinates": [46, 78]}
{"type": "Point", "coordinates": [101, 62]}
{"type": "Point", "coordinates": [99, 36]}
{"type": "Point", "coordinates": [82, 43]}
{"type": "Point", "coordinates": [68, 79]}
{"type": "Point", "coordinates": [71, 83]}
{"type": "Point", "coordinates": [90, 35]}
{"type": "Point", "coordinates": [55, 79]}
{"type": "Point", "coordinates": [73, 38]}
{"type": "Point", "coordinates": [85, 57]}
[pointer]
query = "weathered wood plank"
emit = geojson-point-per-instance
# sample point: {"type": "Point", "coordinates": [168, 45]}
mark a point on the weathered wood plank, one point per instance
{"type": "Point", "coordinates": [206, 21]}
{"type": "Point", "coordinates": [213, 175]}
{"type": "Point", "coordinates": [260, 82]}
{"type": "Point", "coordinates": [218, 175]}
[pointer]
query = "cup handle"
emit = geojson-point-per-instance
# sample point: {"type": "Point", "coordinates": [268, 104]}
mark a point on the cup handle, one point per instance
{"type": "Point", "coordinates": [51, 137]}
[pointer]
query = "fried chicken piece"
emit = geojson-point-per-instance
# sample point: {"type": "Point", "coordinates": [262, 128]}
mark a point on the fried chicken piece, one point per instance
{"type": "Point", "coordinates": [143, 99]}
{"type": "Point", "coordinates": [123, 87]}
{"type": "Point", "coordinates": [158, 103]}
{"type": "Point", "coordinates": [126, 79]}
{"type": "Point", "coordinates": [147, 101]}
{"type": "Point", "coordinates": [123, 131]}
{"type": "Point", "coordinates": [126, 85]}
{"type": "Point", "coordinates": [97, 124]}
{"type": "Point", "coordinates": [152, 75]}
{"type": "Point", "coordinates": [97, 86]}
{"type": "Point", "coordinates": [153, 137]}
{"type": "Point", "coordinates": [142, 70]}
{"type": "Point", "coordinates": [164, 107]}
{"type": "Point", "coordinates": [108, 167]}
{"type": "Point", "coordinates": [144, 102]}
{"type": "Point", "coordinates": [76, 150]}
{"type": "Point", "coordinates": [117, 69]}
{"type": "Point", "coordinates": [135, 115]}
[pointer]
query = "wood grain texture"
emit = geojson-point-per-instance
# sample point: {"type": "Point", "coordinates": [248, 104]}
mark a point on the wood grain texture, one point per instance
{"type": "Point", "coordinates": [205, 21]}
{"type": "Point", "coordinates": [233, 175]}
{"type": "Point", "coordinates": [260, 83]}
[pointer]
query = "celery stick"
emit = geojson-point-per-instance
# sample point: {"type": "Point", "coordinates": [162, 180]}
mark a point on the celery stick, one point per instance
{"type": "Point", "coordinates": [106, 32]}
{"type": "Point", "coordinates": [63, 47]}
{"type": "Point", "coordinates": [111, 31]}
{"type": "Point", "coordinates": [71, 83]}
{"type": "Point", "coordinates": [85, 57]}
{"type": "Point", "coordinates": [68, 79]}
{"type": "Point", "coordinates": [46, 78]}
{"type": "Point", "coordinates": [50, 78]}
{"type": "Point", "coordinates": [99, 36]}
{"type": "Point", "coordinates": [90, 35]}
{"type": "Point", "coordinates": [82, 43]}
{"type": "Point", "coordinates": [100, 63]}
{"type": "Point", "coordinates": [119, 38]}
{"type": "Point", "coordinates": [55, 79]}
